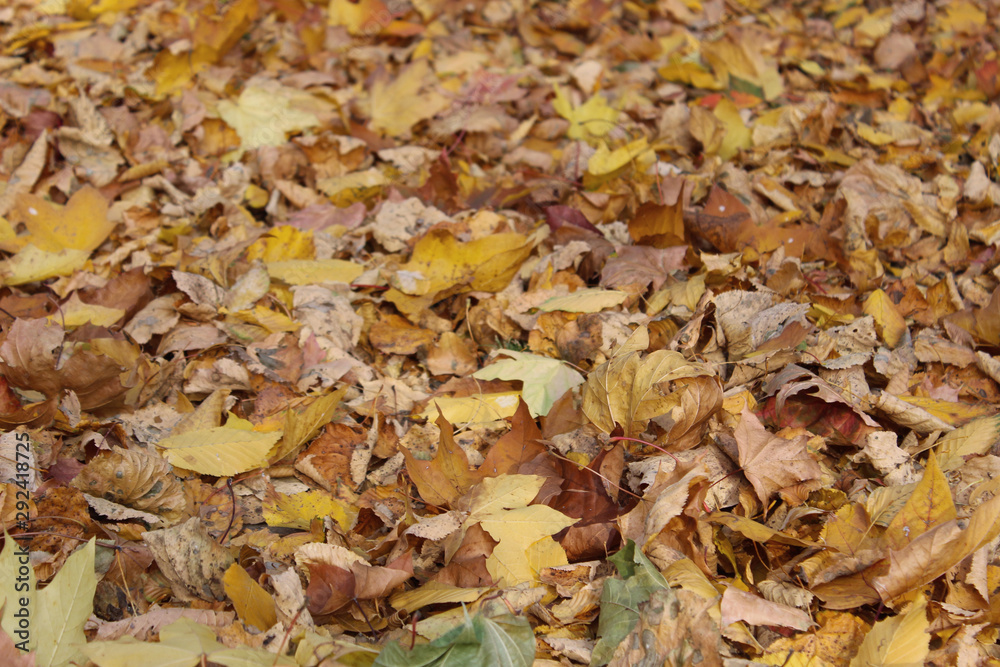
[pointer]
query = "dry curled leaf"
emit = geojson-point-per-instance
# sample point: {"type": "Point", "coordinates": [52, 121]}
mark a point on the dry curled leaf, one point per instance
{"type": "Point", "coordinates": [134, 478]}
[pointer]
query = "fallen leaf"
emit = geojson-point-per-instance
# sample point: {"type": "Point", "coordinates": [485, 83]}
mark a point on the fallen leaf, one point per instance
{"type": "Point", "coordinates": [770, 462]}
{"type": "Point", "coordinates": [899, 640]}
{"type": "Point", "coordinates": [544, 379]}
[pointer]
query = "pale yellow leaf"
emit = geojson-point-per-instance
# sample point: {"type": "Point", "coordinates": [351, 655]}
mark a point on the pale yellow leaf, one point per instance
{"type": "Point", "coordinates": [516, 530]}
{"type": "Point", "coordinates": [17, 585]}
{"type": "Point", "coordinates": [397, 104]}
{"type": "Point", "coordinates": [899, 641]}
{"type": "Point", "coordinates": [264, 116]}
{"type": "Point", "coordinates": [975, 438]}
{"type": "Point", "coordinates": [63, 608]}
{"type": "Point", "coordinates": [219, 451]}
{"type": "Point", "coordinates": [434, 592]}
{"type": "Point", "coordinates": [75, 313]}
{"type": "Point", "coordinates": [588, 300]}
{"type": "Point", "coordinates": [314, 271]}
{"type": "Point", "coordinates": [591, 120]}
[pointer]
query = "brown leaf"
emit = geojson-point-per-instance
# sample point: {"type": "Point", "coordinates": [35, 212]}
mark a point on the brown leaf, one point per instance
{"type": "Point", "coordinates": [443, 479]}
{"type": "Point", "coordinates": [192, 561]}
{"type": "Point", "coordinates": [451, 356]}
{"type": "Point", "coordinates": [937, 551]}
{"type": "Point", "coordinates": [658, 225]}
{"type": "Point", "coordinates": [515, 447]}
{"type": "Point", "coordinates": [643, 266]}
{"type": "Point", "coordinates": [330, 588]}
{"type": "Point", "coordinates": [770, 462]}
{"type": "Point", "coordinates": [327, 460]}
{"type": "Point", "coordinates": [11, 656]}
{"type": "Point", "coordinates": [722, 220]}
{"type": "Point", "coordinates": [395, 335]}
{"type": "Point", "coordinates": [467, 567]}
{"type": "Point", "coordinates": [738, 605]}
{"type": "Point", "coordinates": [137, 478]}
{"type": "Point", "coordinates": [371, 583]}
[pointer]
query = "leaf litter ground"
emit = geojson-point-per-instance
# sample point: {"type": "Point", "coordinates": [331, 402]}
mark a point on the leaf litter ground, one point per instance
{"type": "Point", "coordinates": [499, 332]}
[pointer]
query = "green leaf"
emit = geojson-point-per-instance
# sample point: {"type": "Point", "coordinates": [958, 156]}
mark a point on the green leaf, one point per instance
{"type": "Point", "coordinates": [620, 600]}
{"type": "Point", "coordinates": [545, 379]}
{"type": "Point", "coordinates": [504, 641]}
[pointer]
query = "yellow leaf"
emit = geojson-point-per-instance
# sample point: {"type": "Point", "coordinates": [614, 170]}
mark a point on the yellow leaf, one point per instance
{"type": "Point", "coordinates": [297, 511]}
{"type": "Point", "coordinates": [691, 73]}
{"type": "Point", "coordinates": [544, 553]}
{"type": "Point", "coordinates": [589, 300]}
{"type": "Point", "coordinates": [948, 412]}
{"type": "Point", "coordinates": [434, 592]}
{"type": "Point", "coordinates": [353, 187]}
{"type": "Point", "coordinates": [314, 271]}
{"type": "Point", "coordinates": [888, 322]}
{"type": "Point", "coordinates": [962, 17]}
{"type": "Point", "coordinates": [80, 225]}
{"type": "Point", "coordinates": [441, 262]}
{"type": "Point", "coordinates": [252, 603]}
{"type": "Point", "coordinates": [495, 494]}
{"type": "Point", "coordinates": [629, 390]}
{"type": "Point", "coordinates": [398, 105]}
{"type": "Point", "coordinates": [516, 530]}
{"type": "Point", "coordinates": [282, 243]}
{"type": "Point", "coordinates": [264, 116]}
{"type": "Point", "coordinates": [975, 438]}
{"type": "Point", "coordinates": [271, 320]}
{"type": "Point", "coordinates": [17, 587]}
{"type": "Point", "coordinates": [301, 426]}
{"type": "Point", "coordinates": [591, 120]}
{"type": "Point", "coordinates": [478, 408]}
{"type": "Point", "coordinates": [32, 264]}
{"type": "Point", "coordinates": [219, 451]}
{"type": "Point", "coordinates": [63, 608]}
{"type": "Point", "coordinates": [737, 135]}
{"type": "Point", "coordinates": [900, 641]}
{"type": "Point", "coordinates": [7, 233]}
{"type": "Point", "coordinates": [744, 60]}
{"type": "Point", "coordinates": [604, 162]}
{"type": "Point", "coordinates": [173, 72]}
{"type": "Point", "coordinates": [929, 505]}
{"type": "Point", "coordinates": [873, 136]}
{"type": "Point", "coordinates": [367, 17]}
{"type": "Point", "coordinates": [75, 313]}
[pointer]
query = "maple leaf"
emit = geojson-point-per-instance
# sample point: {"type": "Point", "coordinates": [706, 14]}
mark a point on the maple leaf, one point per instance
{"type": "Point", "coordinates": [770, 462]}
{"type": "Point", "coordinates": [544, 379]}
